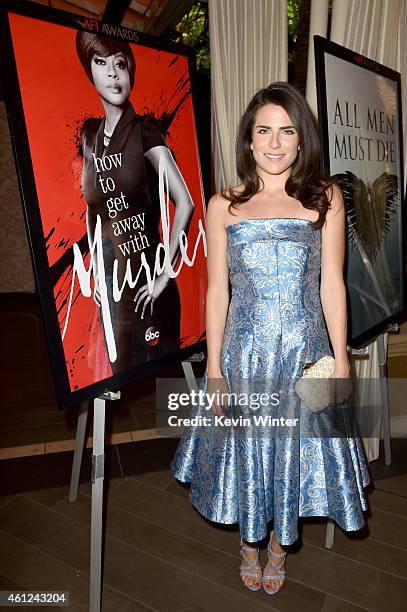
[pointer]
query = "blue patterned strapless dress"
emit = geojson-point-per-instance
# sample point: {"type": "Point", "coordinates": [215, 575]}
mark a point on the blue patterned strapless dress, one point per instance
{"type": "Point", "coordinates": [274, 326]}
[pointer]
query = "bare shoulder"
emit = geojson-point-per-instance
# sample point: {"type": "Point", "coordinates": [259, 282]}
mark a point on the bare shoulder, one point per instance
{"type": "Point", "coordinates": [217, 211]}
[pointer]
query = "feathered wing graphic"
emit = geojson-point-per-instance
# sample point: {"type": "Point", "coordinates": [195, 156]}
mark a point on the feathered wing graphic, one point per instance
{"type": "Point", "coordinates": [370, 208]}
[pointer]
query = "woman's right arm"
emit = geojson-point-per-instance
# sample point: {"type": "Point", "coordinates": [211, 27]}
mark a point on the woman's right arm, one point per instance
{"type": "Point", "coordinates": [90, 227]}
{"type": "Point", "coordinates": [90, 230]}
{"type": "Point", "coordinates": [90, 219]}
{"type": "Point", "coordinates": [86, 149]}
{"type": "Point", "coordinates": [217, 296]}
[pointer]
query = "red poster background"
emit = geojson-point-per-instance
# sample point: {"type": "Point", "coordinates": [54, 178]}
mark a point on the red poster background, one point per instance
{"type": "Point", "coordinates": [57, 97]}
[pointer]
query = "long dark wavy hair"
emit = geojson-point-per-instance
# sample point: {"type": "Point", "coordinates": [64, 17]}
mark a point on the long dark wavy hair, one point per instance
{"type": "Point", "coordinates": [305, 183]}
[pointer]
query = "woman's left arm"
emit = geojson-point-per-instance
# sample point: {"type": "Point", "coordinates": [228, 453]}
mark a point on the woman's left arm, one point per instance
{"type": "Point", "coordinates": [184, 209]}
{"type": "Point", "coordinates": [333, 292]}
{"type": "Point", "coordinates": [179, 194]}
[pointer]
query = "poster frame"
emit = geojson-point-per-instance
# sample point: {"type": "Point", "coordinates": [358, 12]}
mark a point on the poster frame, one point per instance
{"type": "Point", "coordinates": [66, 397]}
{"type": "Point", "coordinates": [322, 46]}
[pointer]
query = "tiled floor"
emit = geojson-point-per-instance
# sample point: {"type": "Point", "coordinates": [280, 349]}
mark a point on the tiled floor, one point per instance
{"type": "Point", "coordinates": [160, 554]}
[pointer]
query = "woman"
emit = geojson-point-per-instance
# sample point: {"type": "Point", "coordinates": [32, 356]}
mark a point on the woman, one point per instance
{"type": "Point", "coordinates": [274, 236]}
{"type": "Point", "coordinates": [121, 155]}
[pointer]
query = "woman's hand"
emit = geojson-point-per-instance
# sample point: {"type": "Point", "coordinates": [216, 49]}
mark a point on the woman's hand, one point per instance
{"type": "Point", "coordinates": [144, 298]}
{"type": "Point", "coordinates": [218, 387]}
{"type": "Point", "coordinates": [341, 383]}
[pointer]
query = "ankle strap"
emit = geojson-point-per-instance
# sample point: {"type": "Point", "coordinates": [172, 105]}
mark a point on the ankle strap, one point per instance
{"type": "Point", "coordinates": [247, 547]}
{"type": "Point", "coordinates": [273, 552]}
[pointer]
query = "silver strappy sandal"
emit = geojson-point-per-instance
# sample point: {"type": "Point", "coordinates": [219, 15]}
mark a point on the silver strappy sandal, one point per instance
{"type": "Point", "coordinates": [252, 568]}
{"type": "Point", "coordinates": [276, 572]}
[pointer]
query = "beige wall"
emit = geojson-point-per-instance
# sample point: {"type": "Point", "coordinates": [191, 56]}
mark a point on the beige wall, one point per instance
{"type": "Point", "coordinates": [397, 368]}
{"type": "Point", "coordinates": [16, 273]}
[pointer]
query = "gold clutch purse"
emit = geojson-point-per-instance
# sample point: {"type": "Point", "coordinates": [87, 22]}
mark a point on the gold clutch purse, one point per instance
{"type": "Point", "coordinates": [314, 387]}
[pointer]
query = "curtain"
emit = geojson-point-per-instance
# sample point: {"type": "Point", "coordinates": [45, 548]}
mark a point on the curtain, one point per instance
{"type": "Point", "coordinates": [376, 29]}
{"type": "Point", "coordinates": [248, 42]}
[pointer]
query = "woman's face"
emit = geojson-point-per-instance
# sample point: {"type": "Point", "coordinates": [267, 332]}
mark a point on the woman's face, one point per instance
{"type": "Point", "coordinates": [275, 141]}
{"type": "Point", "coordinates": [111, 78]}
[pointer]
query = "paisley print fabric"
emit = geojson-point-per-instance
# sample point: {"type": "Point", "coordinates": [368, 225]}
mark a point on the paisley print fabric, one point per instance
{"type": "Point", "coordinates": [274, 326]}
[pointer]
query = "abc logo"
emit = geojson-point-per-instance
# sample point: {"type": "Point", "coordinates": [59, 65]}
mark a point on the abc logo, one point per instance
{"type": "Point", "coordinates": [152, 336]}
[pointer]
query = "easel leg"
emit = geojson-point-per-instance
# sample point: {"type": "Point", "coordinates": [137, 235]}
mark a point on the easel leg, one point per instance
{"type": "Point", "coordinates": [189, 375]}
{"type": "Point", "coordinates": [98, 462]}
{"type": "Point", "coordinates": [381, 353]}
{"type": "Point", "coordinates": [330, 532]}
{"type": "Point", "coordinates": [77, 457]}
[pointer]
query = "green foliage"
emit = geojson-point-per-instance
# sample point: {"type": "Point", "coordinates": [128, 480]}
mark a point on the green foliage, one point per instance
{"type": "Point", "coordinates": [293, 13]}
{"type": "Point", "coordinates": [293, 16]}
{"type": "Point", "coordinates": [194, 29]}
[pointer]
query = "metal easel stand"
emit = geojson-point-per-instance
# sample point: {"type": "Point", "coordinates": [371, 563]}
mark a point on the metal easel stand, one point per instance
{"type": "Point", "coordinates": [382, 362]}
{"type": "Point", "coordinates": [382, 359]}
{"type": "Point", "coordinates": [78, 452]}
{"type": "Point", "coordinates": [98, 466]}
{"type": "Point", "coordinates": [330, 527]}
{"type": "Point", "coordinates": [188, 371]}
{"type": "Point", "coordinates": [98, 463]}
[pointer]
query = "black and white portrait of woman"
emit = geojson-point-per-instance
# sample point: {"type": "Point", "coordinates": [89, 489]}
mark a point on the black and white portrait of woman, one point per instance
{"type": "Point", "coordinates": [122, 153]}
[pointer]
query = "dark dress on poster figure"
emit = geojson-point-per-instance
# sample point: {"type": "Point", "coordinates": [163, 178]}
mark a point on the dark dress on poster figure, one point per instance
{"type": "Point", "coordinates": [137, 180]}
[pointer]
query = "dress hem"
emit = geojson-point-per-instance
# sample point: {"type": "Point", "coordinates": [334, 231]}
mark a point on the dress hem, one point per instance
{"type": "Point", "coordinates": [284, 542]}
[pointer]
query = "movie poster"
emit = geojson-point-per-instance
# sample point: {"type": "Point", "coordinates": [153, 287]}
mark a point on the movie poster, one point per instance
{"type": "Point", "coordinates": [360, 112]}
{"type": "Point", "coordinates": [112, 142]}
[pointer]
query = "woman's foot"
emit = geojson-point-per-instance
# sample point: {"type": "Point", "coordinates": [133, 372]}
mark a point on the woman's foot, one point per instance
{"type": "Point", "coordinates": [274, 572]}
{"type": "Point", "coordinates": [250, 569]}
